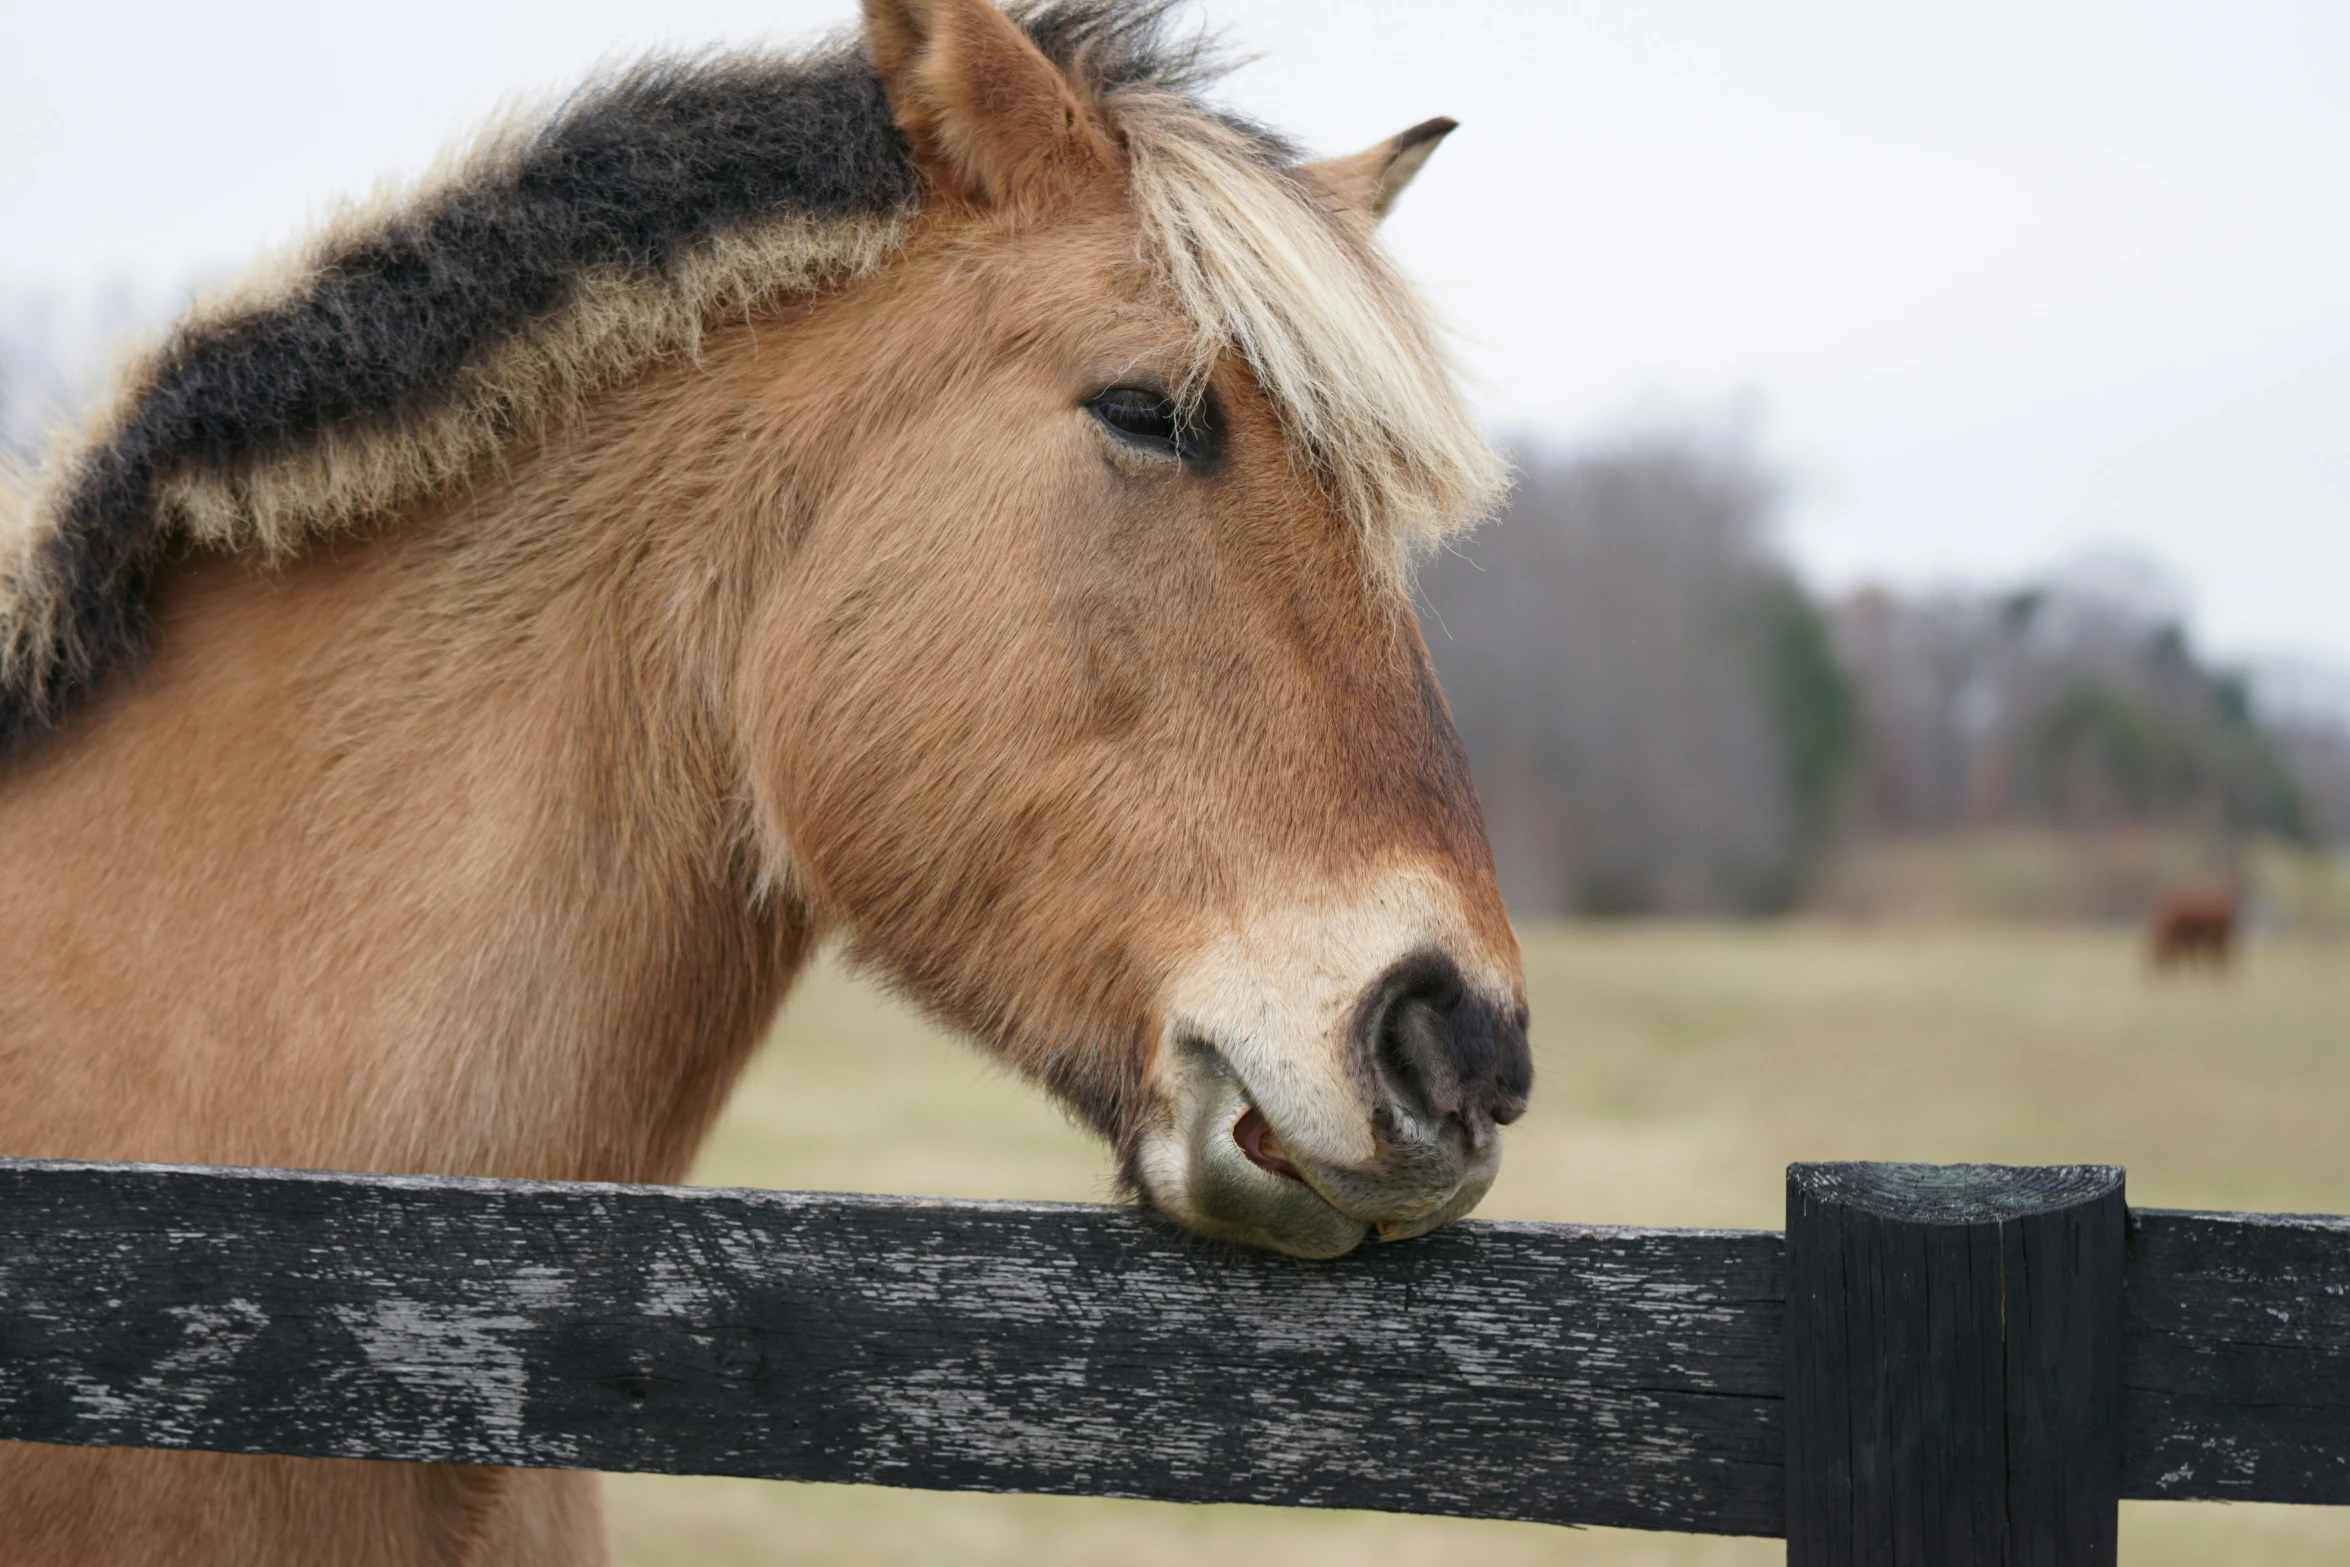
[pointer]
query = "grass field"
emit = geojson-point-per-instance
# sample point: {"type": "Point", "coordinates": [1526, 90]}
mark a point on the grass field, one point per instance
{"type": "Point", "coordinates": [1679, 1069]}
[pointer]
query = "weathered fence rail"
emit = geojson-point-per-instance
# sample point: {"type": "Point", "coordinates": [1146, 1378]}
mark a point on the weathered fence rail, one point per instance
{"type": "Point", "coordinates": [1585, 1375]}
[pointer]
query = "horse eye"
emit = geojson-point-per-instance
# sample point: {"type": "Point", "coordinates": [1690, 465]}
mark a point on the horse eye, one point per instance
{"type": "Point", "coordinates": [1144, 415]}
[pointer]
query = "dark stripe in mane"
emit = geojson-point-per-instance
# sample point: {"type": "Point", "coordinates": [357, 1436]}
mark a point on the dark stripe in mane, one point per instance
{"type": "Point", "coordinates": [629, 177]}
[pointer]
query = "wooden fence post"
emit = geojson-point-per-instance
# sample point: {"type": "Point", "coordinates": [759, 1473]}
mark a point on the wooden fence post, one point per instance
{"type": "Point", "coordinates": [1954, 1346]}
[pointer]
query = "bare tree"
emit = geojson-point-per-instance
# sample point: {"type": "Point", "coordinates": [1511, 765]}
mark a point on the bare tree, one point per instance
{"type": "Point", "coordinates": [2305, 707]}
{"type": "Point", "coordinates": [1649, 702]}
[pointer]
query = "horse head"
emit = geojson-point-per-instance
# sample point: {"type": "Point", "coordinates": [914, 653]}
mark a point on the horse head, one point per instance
{"type": "Point", "coordinates": [1087, 699]}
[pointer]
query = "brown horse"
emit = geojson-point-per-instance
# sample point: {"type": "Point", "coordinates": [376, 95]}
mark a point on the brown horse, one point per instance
{"type": "Point", "coordinates": [2195, 925]}
{"type": "Point", "coordinates": [956, 492]}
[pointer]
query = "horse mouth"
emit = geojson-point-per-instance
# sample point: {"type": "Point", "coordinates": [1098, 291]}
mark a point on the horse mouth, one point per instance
{"type": "Point", "coordinates": [1255, 1137]}
{"type": "Point", "coordinates": [1238, 1178]}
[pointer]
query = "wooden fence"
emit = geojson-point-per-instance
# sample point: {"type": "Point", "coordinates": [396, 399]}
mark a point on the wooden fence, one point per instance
{"type": "Point", "coordinates": [1937, 1363]}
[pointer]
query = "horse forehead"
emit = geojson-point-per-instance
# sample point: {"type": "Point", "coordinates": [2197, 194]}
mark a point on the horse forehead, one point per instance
{"type": "Point", "coordinates": [1095, 255]}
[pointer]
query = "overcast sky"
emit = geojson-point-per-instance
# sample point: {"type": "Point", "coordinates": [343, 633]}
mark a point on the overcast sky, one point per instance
{"type": "Point", "coordinates": [2000, 283]}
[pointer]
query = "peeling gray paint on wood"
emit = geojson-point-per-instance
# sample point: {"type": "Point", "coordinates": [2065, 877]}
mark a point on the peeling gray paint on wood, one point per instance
{"type": "Point", "coordinates": [2236, 1370]}
{"type": "Point", "coordinates": [1617, 1376]}
{"type": "Point", "coordinates": [1607, 1376]}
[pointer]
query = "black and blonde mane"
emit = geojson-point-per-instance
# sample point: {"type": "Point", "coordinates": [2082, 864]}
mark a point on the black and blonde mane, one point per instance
{"type": "Point", "coordinates": [408, 343]}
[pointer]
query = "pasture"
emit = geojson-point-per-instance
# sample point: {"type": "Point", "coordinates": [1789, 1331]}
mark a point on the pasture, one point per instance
{"type": "Point", "coordinates": [1680, 1069]}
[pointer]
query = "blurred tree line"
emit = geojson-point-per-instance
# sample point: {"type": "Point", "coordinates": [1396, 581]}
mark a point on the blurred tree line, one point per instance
{"type": "Point", "coordinates": [1662, 719]}
{"type": "Point", "coordinates": [2079, 702]}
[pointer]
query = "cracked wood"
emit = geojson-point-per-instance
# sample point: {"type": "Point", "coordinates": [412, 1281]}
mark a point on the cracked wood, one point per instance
{"type": "Point", "coordinates": [1604, 1376]}
{"type": "Point", "coordinates": [1545, 1372]}
{"type": "Point", "coordinates": [2236, 1367]}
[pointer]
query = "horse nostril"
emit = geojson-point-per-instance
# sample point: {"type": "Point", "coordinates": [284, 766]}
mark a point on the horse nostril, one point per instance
{"type": "Point", "coordinates": [1409, 1043]}
{"type": "Point", "coordinates": [1445, 1054]}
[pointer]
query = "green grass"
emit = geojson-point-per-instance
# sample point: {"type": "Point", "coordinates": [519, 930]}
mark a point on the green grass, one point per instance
{"type": "Point", "coordinates": [1679, 1071]}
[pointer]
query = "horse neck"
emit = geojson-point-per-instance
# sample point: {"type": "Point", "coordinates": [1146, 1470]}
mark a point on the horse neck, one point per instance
{"type": "Point", "coordinates": [436, 861]}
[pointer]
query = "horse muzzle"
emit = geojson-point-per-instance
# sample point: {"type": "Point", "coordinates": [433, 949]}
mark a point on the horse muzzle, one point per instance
{"type": "Point", "coordinates": [1401, 1141]}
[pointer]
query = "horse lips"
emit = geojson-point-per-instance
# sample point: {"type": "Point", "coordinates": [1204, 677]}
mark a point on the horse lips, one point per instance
{"type": "Point", "coordinates": [1255, 1136]}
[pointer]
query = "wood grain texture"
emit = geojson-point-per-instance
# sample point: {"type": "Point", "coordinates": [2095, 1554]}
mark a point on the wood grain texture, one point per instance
{"type": "Point", "coordinates": [1605, 1376]}
{"type": "Point", "coordinates": [1495, 1370]}
{"type": "Point", "coordinates": [2237, 1367]}
{"type": "Point", "coordinates": [1954, 1344]}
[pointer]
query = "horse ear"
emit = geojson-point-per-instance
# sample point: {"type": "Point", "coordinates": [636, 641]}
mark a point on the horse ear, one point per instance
{"type": "Point", "coordinates": [991, 120]}
{"type": "Point", "coordinates": [1365, 184]}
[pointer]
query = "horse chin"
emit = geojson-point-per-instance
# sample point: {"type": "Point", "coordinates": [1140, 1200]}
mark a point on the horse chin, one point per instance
{"type": "Point", "coordinates": [1234, 1201]}
{"type": "Point", "coordinates": [1231, 1196]}
{"type": "Point", "coordinates": [1211, 1175]}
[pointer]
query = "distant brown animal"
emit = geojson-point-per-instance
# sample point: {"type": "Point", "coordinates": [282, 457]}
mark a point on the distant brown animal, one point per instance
{"type": "Point", "coordinates": [2193, 927]}
{"type": "Point", "coordinates": [957, 493]}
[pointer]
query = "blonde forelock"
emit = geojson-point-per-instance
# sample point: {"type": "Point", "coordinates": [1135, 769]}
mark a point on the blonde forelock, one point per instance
{"type": "Point", "coordinates": [1339, 342]}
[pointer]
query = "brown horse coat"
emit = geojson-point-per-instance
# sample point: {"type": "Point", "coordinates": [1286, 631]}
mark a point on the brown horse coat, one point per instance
{"type": "Point", "coordinates": [2192, 925]}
